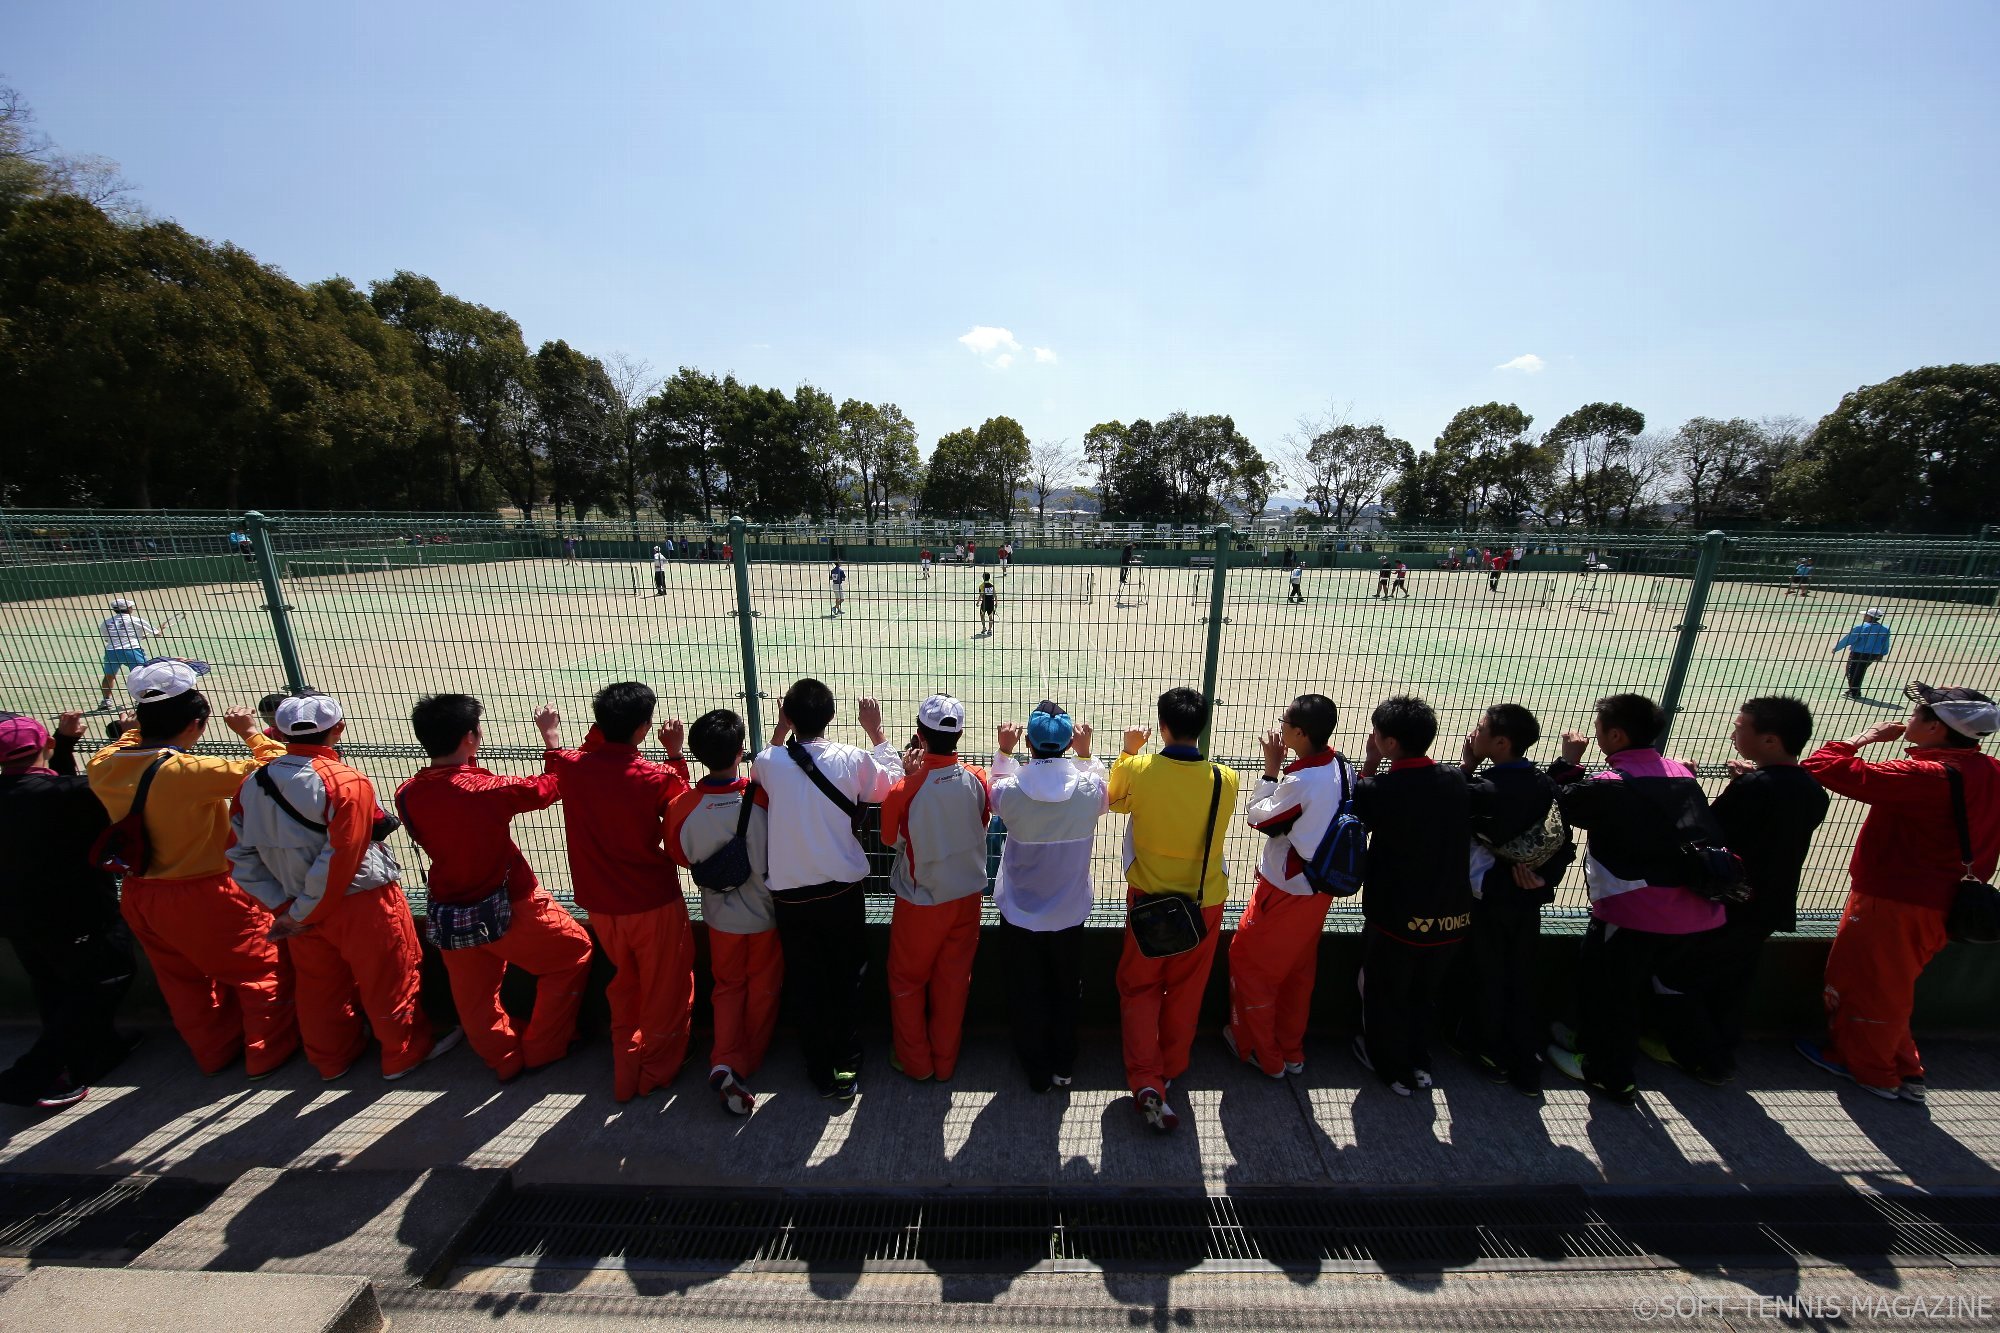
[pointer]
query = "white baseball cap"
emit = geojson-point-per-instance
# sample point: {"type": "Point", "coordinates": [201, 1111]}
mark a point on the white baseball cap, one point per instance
{"type": "Point", "coordinates": [1965, 711]}
{"type": "Point", "coordinates": [941, 712]}
{"type": "Point", "coordinates": [163, 678]}
{"type": "Point", "coordinates": [307, 714]}
{"type": "Point", "coordinates": [121, 604]}
{"type": "Point", "coordinates": [1872, 613]}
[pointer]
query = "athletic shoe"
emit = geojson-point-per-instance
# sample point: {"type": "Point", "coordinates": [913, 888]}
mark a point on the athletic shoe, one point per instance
{"type": "Point", "coordinates": [1153, 1109]}
{"type": "Point", "coordinates": [442, 1044]}
{"type": "Point", "coordinates": [1295, 1067]}
{"type": "Point", "coordinates": [1812, 1051]}
{"type": "Point", "coordinates": [1229, 1040]}
{"type": "Point", "coordinates": [1527, 1082]}
{"type": "Point", "coordinates": [1360, 1049]}
{"type": "Point", "coordinates": [842, 1088]}
{"type": "Point", "coordinates": [1062, 1080]}
{"type": "Point", "coordinates": [1424, 1079]}
{"type": "Point", "coordinates": [1490, 1067]}
{"type": "Point", "coordinates": [1563, 1035]}
{"type": "Point", "coordinates": [55, 1101]}
{"type": "Point", "coordinates": [897, 1065]}
{"type": "Point", "coordinates": [1570, 1063]}
{"type": "Point", "coordinates": [259, 1078]}
{"type": "Point", "coordinates": [1658, 1050]}
{"type": "Point", "coordinates": [1912, 1090]}
{"type": "Point", "coordinates": [736, 1099]}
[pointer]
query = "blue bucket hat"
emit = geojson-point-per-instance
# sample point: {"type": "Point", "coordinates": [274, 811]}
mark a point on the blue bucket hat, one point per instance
{"type": "Point", "coordinates": [1050, 728]}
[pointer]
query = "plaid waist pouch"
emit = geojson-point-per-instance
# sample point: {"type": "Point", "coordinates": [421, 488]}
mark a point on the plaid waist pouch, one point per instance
{"type": "Point", "coordinates": [468, 925]}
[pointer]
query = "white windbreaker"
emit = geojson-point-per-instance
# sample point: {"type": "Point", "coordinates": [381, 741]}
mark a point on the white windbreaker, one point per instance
{"type": "Point", "coordinates": [1051, 808]}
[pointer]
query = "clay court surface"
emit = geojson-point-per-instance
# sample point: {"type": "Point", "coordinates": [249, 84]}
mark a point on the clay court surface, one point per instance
{"type": "Point", "coordinates": [519, 632]}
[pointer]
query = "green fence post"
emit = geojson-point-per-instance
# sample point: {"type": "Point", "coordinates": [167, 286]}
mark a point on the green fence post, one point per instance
{"type": "Point", "coordinates": [1212, 656]}
{"type": "Point", "coordinates": [1690, 628]}
{"type": "Point", "coordinates": [753, 711]}
{"type": "Point", "coordinates": [274, 598]}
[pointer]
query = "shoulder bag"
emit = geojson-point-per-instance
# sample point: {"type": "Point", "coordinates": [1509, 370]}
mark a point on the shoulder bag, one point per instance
{"type": "Point", "coordinates": [123, 849]}
{"type": "Point", "coordinates": [1975, 911]}
{"type": "Point", "coordinates": [856, 813]}
{"type": "Point", "coordinates": [1165, 924]}
{"type": "Point", "coordinates": [727, 868]}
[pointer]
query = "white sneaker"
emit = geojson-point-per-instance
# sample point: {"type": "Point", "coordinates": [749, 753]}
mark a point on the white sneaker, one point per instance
{"type": "Point", "coordinates": [1061, 1080]}
{"type": "Point", "coordinates": [1295, 1067]}
{"type": "Point", "coordinates": [443, 1044]}
{"type": "Point", "coordinates": [1912, 1090]}
{"type": "Point", "coordinates": [1424, 1079]}
{"type": "Point", "coordinates": [1153, 1109]}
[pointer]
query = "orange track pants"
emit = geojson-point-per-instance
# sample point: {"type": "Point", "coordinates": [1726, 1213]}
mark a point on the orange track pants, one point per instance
{"type": "Point", "coordinates": [363, 959]}
{"type": "Point", "coordinates": [228, 988]}
{"type": "Point", "coordinates": [544, 940]}
{"type": "Point", "coordinates": [651, 994]}
{"type": "Point", "coordinates": [749, 975]}
{"type": "Point", "coordinates": [1159, 1000]}
{"type": "Point", "coordinates": [1878, 953]}
{"type": "Point", "coordinates": [1273, 959]}
{"type": "Point", "coordinates": [930, 974]}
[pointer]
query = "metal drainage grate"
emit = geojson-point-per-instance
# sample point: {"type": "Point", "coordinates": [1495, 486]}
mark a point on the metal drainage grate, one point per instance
{"type": "Point", "coordinates": [1011, 1231]}
{"type": "Point", "coordinates": [99, 1219]}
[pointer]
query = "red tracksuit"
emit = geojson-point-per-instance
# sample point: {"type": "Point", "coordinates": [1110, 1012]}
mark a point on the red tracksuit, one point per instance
{"type": "Point", "coordinates": [936, 820]}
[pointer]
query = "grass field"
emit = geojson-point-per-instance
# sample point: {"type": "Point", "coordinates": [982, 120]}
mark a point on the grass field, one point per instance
{"type": "Point", "coordinates": [519, 632]}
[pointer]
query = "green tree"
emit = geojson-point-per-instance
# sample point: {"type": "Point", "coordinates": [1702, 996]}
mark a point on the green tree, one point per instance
{"type": "Point", "coordinates": [951, 477]}
{"type": "Point", "coordinates": [880, 444]}
{"type": "Point", "coordinates": [683, 425]}
{"type": "Point", "coordinates": [1916, 451]}
{"type": "Point", "coordinates": [1604, 470]}
{"type": "Point", "coordinates": [815, 425]}
{"type": "Point", "coordinates": [576, 426]}
{"type": "Point", "coordinates": [1343, 468]}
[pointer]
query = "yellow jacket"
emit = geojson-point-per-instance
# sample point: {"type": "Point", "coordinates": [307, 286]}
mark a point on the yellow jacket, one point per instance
{"type": "Point", "coordinates": [187, 810]}
{"type": "Point", "coordinates": [1167, 798]}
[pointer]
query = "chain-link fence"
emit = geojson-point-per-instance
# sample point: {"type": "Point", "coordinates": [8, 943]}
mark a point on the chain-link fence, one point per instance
{"type": "Point", "coordinates": [383, 610]}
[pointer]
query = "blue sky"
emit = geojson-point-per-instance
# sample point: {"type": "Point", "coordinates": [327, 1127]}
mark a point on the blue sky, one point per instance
{"type": "Point", "coordinates": [1262, 210]}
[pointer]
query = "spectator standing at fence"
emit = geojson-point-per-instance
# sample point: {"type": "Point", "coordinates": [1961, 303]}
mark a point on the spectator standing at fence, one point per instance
{"type": "Point", "coordinates": [745, 959]}
{"type": "Point", "coordinates": [226, 985]}
{"type": "Point", "coordinates": [1051, 806]}
{"type": "Point", "coordinates": [306, 841]}
{"type": "Point", "coordinates": [1274, 955]}
{"type": "Point", "coordinates": [1767, 814]}
{"type": "Point", "coordinates": [615, 804]}
{"type": "Point", "coordinates": [60, 914]}
{"type": "Point", "coordinates": [1866, 644]}
{"type": "Point", "coordinates": [487, 910]}
{"type": "Point", "coordinates": [814, 789]}
{"type": "Point", "coordinates": [1415, 901]}
{"type": "Point", "coordinates": [240, 544]}
{"type": "Point", "coordinates": [123, 632]}
{"type": "Point", "coordinates": [934, 821]}
{"type": "Point", "coordinates": [1637, 810]}
{"type": "Point", "coordinates": [1180, 807]}
{"type": "Point", "coordinates": [729, 550]}
{"type": "Point", "coordinates": [659, 572]}
{"type": "Point", "coordinates": [1905, 873]}
{"type": "Point", "coordinates": [1518, 856]}
{"type": "Point", "coordinates": [1298, 575]}
{"type": "Point", "coordinates": [838, 578]}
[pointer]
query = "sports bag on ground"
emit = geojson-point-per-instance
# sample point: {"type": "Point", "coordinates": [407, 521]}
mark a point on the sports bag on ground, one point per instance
{"type": "Point", "coordinates": [1165, 924]}
{"type": "Point", "coordinates": [1340, 862]}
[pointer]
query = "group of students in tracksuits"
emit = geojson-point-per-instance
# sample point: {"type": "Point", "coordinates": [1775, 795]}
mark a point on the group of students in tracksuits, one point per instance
{"type": "Point", "coordinates": [268, 902]}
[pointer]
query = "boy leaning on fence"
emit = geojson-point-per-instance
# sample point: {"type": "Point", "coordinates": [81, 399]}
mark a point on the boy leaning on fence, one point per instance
{"type": "Point", "coordinates": [487, 910]}
{"type": "Point", "coordinates": [1042, 892]}
{"type": "Point", "coordinates": [615, 804]}
{"type": "Point", "coordinates": [307, 842]}
{"type": "Point", "coordinates": [1274, 955]}
{"type": "Point", "coordinates": [934, 821]}
{"type": "Point", "coordinates": [721, 834]}
{"type": "Point", "coordinates": [1180, 806]}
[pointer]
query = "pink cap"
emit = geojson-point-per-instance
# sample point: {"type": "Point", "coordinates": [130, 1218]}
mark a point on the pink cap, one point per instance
{"type": "Point", "coordinates": [21, 739]}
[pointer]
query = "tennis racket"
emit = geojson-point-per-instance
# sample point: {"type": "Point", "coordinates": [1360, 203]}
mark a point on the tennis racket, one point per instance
{"type": "Point", "coordinates": [166, 624]}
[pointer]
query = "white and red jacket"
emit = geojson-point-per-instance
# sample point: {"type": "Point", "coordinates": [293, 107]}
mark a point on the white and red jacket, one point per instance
{"type": "Point", "coordinates": [289, 867]}
{"type": "Point", "coordinates": [936, 821]}
{"type": "Point", "coordinates": [1294, 813]}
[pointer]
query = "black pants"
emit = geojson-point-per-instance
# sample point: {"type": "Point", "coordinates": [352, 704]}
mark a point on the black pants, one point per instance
{"type": "Point", "coordinates": [1124, 572]}
{"type": "Point", "coordinates": [1493, 581]}
{"type": "Point", "coordinates": [1615, 972]}
{"type": "Point", "coordinates": [822, 931]}
{"type": "Point", "coordinates": [1504, 1024]}
{"type": "Point", "coordinates": [78, 983]}
{"type": "Point", "coordinates": [1044, 993]}
{"type": "Point", "coordinates": [1710, 975]}
{"type": "Point", "coordinates": [1401, 587]}
{"type": "Point", "coordinates": [1857, 667]}
{"type": "Point", "coordinates": [1399, 989]}
{"type": "Point", "coordinates": [660, 582]}
{"type": "Point", "coordinates": [1298, 595]}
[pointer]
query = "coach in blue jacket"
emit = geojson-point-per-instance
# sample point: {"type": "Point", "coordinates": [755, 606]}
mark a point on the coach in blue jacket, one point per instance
{"type": "Point", "coordinates": [1866, 644]}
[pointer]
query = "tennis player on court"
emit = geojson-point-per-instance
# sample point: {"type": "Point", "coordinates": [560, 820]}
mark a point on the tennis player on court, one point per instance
{"type": "Point", "coordinates": [989, 605]}
{"type": "Point", "coordinates": [123, 633]}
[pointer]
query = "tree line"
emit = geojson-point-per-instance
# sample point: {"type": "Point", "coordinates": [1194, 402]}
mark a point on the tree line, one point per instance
{"type": "Point", "coordinates": [143, 366]}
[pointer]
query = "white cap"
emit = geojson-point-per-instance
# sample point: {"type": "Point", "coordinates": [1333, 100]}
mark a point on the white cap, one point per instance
{"type": "Point", "coordinates": [307, 714]}
{"type": "Point", "coordinates": [1872, 613]}
{"type": "Point", "coordinates": [121, 604]}
{"type": "Point", "coordinates": [941, 712]}
{"type": "Point", "coordinates": [163, 678]}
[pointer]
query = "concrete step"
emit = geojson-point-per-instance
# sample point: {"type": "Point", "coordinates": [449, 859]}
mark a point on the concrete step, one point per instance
{"type": "Point", "coordinates": [102, 1300]}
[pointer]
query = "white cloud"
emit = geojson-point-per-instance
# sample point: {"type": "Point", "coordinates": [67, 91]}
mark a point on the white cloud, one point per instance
{"type": "Point", "coordinates": [1045, 356]}
{"type": "Point", "coordinates": [1527, 363]}
{"type": "Point", "coordinates": [1004, 360]}
{"type": "Point", "coordinates": [984, 340]}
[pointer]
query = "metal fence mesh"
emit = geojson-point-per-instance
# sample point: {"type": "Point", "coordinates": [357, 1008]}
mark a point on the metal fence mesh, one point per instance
{"type": "Point", "coordinates": [385, 610]}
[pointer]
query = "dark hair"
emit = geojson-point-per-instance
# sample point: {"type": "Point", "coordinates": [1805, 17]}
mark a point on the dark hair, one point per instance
{"type": "Point", "coordinates": [808, 706]}
{"type": "Point", "coordinates": [1315, 715]}
{"type": "Point", "coordinates": [1515, 724]}
{"type": "Point", "coordinates": [1782, 716]}
{"type": "Point", "coordinates": [939, 742]}
{"type": "Point", "coordinates": [623, 708]}
{"type": "Point", "coordinates": [113, 729]}
{"type": "Point", "coordinates": [268, 705]}
{"type": "Point", "coordinates": [1953, 738]}
{"type": "Point", "coordinates": [443, 721]}
{"type": "Point", "coordinates": [717, 739]}
{"type": "Point", "coordinates": [1184, 712]}
{"type": "Point", "coordinates": [1638, 717]}
{"type": "Point", "coordinates": [1406, 720]}
{"type": "Point", "coordinates": [164, 719]}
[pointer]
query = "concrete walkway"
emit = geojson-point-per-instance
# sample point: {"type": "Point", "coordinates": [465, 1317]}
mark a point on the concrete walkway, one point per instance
{"type": "Point", "coordinates": [1781, 1123]}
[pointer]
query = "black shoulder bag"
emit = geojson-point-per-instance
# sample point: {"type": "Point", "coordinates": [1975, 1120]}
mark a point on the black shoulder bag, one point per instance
{"type": "Point", "coordinates": [1165, 924]}
{"type": "Point", "coordinates": [123, 849]}
{"type": "Point", "coordinates": [1975, 911]}
{"type": "Point", "coordinates": [728, 867]}
{"type": "Point", "coordinates": [856, 813]}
